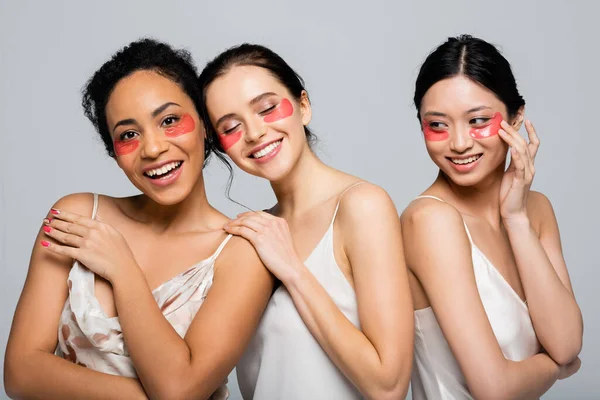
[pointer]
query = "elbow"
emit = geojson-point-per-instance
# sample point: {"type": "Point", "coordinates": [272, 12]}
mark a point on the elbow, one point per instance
{"type": "Point", "coordinates": [390, 387]}
{"type": "Point", "coordinates": [177, 389]}
{"type": "Point", "coordinates": [566, 353]}
{"type": "Point", "coordinates": [565, 349]}
{"type": "Point", "coordinates": [15, 382]}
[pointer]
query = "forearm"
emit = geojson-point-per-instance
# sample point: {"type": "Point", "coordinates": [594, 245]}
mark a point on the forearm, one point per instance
{"type": "Point", "coordinates": [350, 350]}
{"type": "Point", "coordinates": [43, 375]}
{"type": "Point", "coordinates": [553, 309]}
{"type": "Point", "coordinates": [530, 378]}
{"type": "Point", "coordinates": [161, 357]}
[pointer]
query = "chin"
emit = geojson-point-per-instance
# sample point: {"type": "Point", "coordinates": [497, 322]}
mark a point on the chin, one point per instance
{"type": "Point", "coordinates": [169, 198]}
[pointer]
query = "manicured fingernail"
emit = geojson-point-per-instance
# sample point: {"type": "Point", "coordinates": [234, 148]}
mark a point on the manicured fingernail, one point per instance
{"type": "Point", "coordinates": [47, 220]}
{"type": "Point", "coordinates": [54, 211]}
{"type": "Point", "coordinates": [47, 229]}
{"type": "Point", "coordinates": [44, 243]}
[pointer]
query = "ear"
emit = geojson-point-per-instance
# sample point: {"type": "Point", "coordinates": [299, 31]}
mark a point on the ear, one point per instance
{"type": "Point", "coordinates": [305, 108]}
{"type": "Point", "coordinates": [517, 120]}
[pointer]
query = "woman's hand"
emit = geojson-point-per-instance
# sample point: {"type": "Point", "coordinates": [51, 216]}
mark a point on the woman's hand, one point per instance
{"type": "Point", "coordinates": [97, 245]}
{"type": "Point", "coordinates": [272, 240]}
{"type": "Point", "coordinates": [519, 174]}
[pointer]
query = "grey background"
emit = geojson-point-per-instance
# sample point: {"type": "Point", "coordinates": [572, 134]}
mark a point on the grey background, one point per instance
{"type": "Point", "coordinates": [359, 61]}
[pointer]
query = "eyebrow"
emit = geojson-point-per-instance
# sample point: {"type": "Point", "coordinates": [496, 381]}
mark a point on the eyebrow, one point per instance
{"type": "Point", "coordinates": [472, 110]}
{"type": "Point", "coordinates": [251, 102]}
{"type": "Point", "coordinates": [157, 111]}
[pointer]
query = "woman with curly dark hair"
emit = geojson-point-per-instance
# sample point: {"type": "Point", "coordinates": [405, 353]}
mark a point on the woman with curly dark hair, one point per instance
{"type": "Point", "coordinates": [135, 311]}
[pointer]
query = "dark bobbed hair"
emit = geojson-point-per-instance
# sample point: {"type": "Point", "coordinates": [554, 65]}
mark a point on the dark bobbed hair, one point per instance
{"type": "Point", "coordinates": [141, 55]}
{"type": "Point", "coordinates": [247, 54]}
{"type": "Point", "coordinates": [475, 59]}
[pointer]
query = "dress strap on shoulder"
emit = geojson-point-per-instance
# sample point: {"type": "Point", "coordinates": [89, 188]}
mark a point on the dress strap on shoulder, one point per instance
{"type": "Point", "coordinates": [221, 246]}
{"type": "Point", "coordinates": [342, 195]}
{"type": "Point", "coordinates": [426, 196]}
{"type": "Point", "coordinates": [95, 209]}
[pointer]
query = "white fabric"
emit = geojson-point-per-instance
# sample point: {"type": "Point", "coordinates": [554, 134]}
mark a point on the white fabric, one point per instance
{"type": "Point", "coordinates": [283, 360]}
{"type": "Point", "coordinates": [436, 374]}
{"type": "Point", "coordinates": [88, 337]}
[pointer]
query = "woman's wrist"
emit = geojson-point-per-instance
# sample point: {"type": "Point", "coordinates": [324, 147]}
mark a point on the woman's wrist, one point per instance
{"type": "Point", "coordinates": [516, 221]}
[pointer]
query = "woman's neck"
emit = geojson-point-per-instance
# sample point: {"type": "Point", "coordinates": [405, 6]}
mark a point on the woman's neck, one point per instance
{"type": "Point", "coordinates": [194, 213]}
{"type": "Point", "coordinates": [304, 186]}
{"type": "Point", "coordinates": [481, 200]}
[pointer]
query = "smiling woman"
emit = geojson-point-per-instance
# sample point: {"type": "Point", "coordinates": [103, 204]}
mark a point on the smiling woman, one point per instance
{"type": "Point", "coordinates": [490, 285]}
{"type": "Point", "coordinates": [340, 325]}
{"type": "Point", "coordinates": [145, 296]}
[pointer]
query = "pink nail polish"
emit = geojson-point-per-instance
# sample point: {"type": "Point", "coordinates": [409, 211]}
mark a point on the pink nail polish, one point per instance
{"type": "Point", "coordinates": [44, 243]}
{"type": "Point", "coordinates": [47, 229]}
{"type": "Point", "coordinates": [54, 211]}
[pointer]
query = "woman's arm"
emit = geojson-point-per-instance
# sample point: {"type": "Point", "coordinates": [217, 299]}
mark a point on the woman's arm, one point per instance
{"type": "Point", "coordinates": [439, 253]}
{"type": "Point", "coordinates": [194, 367]}
{"type": "Point", "coordinates": [554, 312]}
{"type": "Point", "coordinates": [31, 370]}
{"type": "Point", "coordinates": [376, 358]}
{"type": "Point", "coordinates": [552, 306]}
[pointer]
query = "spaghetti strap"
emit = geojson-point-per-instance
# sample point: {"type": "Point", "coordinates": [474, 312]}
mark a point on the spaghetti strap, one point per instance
{"type": "Point", "coordinates": [342, 195]}
{"type": "Point", "coordinates": [426, 196]}
{"type": "Point", "coordinates": [223, 243]}
{"type": "Point", "coordinates": [95, 209]}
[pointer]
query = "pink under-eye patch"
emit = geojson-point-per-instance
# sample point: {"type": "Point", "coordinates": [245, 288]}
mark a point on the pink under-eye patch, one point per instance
{"type": "Point", "coordinates": [489, 130]}
{"type": "Point", "coordinates": [431, 135]}
{"type": "Point", "coordinates": [227, 140]}
{"type": "Point", "coordinates": [284, 110]}
{"type": "Point", "coordinates": [185, 125]}
{"type": "Point", "coordinates": [125, 147]}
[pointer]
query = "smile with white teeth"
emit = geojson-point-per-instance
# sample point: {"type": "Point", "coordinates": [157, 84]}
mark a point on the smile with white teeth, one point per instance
{"type": "Point", "coordinates": [462, 161]}
{"type": "Point", "coordinates": [266, 150]}
{"type": "Point", "coordinates": [165, 169]}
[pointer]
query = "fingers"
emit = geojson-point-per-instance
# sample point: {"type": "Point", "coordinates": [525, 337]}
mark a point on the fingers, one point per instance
{"type": "Point", "coordinates": [62, 237]}
{"type": "Point", "coordinates": [73, 218]}
{"type": "Point", "coordinates": [512, 135]}
{"type": "Point", "coordinates": [517, 160]}
{"type": "Point", "coordinates": [262, 214]}
{"type": "Point", "coordinates": [248, 221]}
{"type": "Point", "coordinates": [70, 252]}
{"type": "Point", "coordinates": [66, 227]}
{"type": "Point", "coordinates": [243, 231]}
{"type": "Point", "coordinates": [534, 141]}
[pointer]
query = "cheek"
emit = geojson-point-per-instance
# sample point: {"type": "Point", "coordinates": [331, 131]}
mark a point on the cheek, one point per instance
{"type": "Point", "coordinates": [185, 125]}
{"type": "Point", "coordinates": [433, 136]}
{"type": "Point", "coordinates": [489, 130]}
{"type": "Point", "coordinates": [228, 140]}
{"type": "Point", "coordinates": [284, 110]}
{"type": "Point", "coordinates": [123, 148]}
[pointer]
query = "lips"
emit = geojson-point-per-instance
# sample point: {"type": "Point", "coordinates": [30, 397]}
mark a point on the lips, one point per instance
{"type": "Point", "coordinates": [161, 171]}
{"type": "Point", "coordinates": [465, 163]}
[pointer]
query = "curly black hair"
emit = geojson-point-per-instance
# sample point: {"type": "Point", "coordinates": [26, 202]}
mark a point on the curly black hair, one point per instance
{"type": "Point", "coordinates": [143, 54]}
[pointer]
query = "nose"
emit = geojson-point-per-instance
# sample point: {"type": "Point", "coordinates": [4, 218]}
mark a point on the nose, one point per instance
{"type": "Point", "coordinates": [460, 140]}
{"type": "Point", "coordinates": [154, 144]}
{"type": "Point", "coordinates": [255, 130]}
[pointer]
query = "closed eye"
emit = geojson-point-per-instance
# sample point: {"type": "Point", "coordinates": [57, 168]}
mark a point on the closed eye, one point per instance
{"type": "Point", "coordinates": [231, 130]}
{"type": "Point", "coordinates": [268, 110]}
